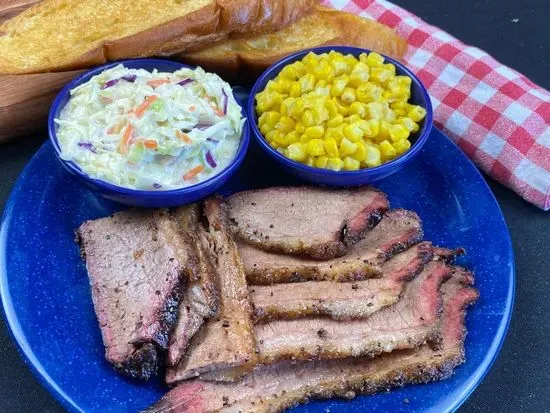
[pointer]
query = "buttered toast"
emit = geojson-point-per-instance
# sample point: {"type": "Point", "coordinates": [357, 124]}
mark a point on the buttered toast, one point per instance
{"type": "Point", "coordinates": [57, 35]}
{"type": "Point", "coordinates": [248, 57]}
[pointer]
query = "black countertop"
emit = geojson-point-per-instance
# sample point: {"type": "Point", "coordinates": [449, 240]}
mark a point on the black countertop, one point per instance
{"type": "Point", "coordinates": [516, 33]}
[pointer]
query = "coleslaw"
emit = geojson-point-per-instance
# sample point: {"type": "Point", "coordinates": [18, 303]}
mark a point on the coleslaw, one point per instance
{"type": "Point", "coordinates": [151, 130]}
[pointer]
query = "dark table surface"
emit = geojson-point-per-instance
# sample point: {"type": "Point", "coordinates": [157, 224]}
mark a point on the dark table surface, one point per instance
{"type": "Point", "coordinates": [518, 34]}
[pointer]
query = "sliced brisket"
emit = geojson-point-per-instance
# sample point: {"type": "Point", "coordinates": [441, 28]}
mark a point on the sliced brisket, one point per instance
{"type": "Point", "coordinates": [313, 222]}
{"type": "Point", "coordinates": [200, 300]}
{"type": "Point", "coordinates": [406, 324]}
{"type": "Point", "coordinates": [277, 387]}
{"type": "Point", "coordinates": [137, 262]}
{"type": "Point", "coordinates": [226, 341]}
{"type": "Point", "coordinates": [398, 230]}
{"type": "Point", "coordinates": [339, 301]}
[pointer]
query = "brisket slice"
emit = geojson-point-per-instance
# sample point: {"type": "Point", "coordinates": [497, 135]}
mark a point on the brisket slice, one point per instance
{"type": "Point", "coordinates": [407, 324]}
{"type": "Point", "coordinates": [200, 300]}
{"type": "Point", "coordinates": [398, 230]}
{"type": "Point", "coordinates": [226, 341]}
{"type": "Point", "coordinates": [284, 385]}
{"type": "Point", "coordinates": [339, 301]}
{"type": "Point", "coordinates": [137, 263]}
{"type": "Point", "coordinates": [306, 221]}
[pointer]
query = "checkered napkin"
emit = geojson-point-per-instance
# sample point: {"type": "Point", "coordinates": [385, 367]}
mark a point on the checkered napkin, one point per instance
{"type": "Point", "coordinates": [497, 116]}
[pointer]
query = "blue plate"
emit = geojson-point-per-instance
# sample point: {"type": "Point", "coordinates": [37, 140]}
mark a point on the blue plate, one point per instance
{"type": "Point", "coordinates": [47, 302]}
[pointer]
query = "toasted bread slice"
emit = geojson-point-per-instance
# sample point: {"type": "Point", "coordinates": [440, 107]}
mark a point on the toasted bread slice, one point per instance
{"type": "Point", "coordinates": [60, 35]}
{"type": "Point", "coordinates": [247, 57]}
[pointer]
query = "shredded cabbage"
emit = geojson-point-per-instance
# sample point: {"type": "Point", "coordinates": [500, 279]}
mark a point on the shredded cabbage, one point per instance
{"type": "Point", "coordinates": [147, 130]}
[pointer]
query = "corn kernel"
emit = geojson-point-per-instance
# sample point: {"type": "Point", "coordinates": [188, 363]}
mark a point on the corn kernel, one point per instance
{"type": "Point", "coordinates": [307, 83]}
{"type": "Point", "coordinates": [351, 60]}
{"type": "Point", "coordinates": [403, 80]}
{"type": "Point", "coordinates": [287, 105]}
{"type": "Point", "coordinates": [296, 152]}
{"type": "Point", "coordinates": [285, 124]}
{"type": "Point", "coordinates": [307, 118]}
{"type": "Point", "coordinates": [373, 128]}
{"type": "Point", "coordinates": [332, 108]}
{"type": "Point", "coordinates": [374, 59]}
{"type": "Point", "coordinates": [320, 114]}
{"type": "Point", "coordinates": [384, 132]}
{"type": "Point", "coordinates": [335, 121]}
{"type": "Point", "coordinates": [334, 164]}
{"type": "Point", "coordinates": [352, 118]}
{"type": "Point", "coordinates": [353, 132]}
{"type": "Point", "coordinates": [401, 105]}
{"type": "Point", "coordinates": [321, 161]}
{"type": "Point", "coordinates": [380, 74]}
{"type": "Point", "coordinates": [271, 118]}
{"type": "Point", "coordinates": [390, 68]}
{"type": "Point", "coordinates": [417, 113]}
{"type": "Point", "coordinates": [341, 107]}
{"type": "Point", "coordinates": [402, 146]}
{"type": "Point", "coordinates": [331, 147]}
{"type": "Point", "coordinates": [297, 109]}
{"type": "Point", "coordinates": [348, 96]}
{"type": "Point", "coordinates": [387, 150]}
{"type": "Point", "coordinates": [265, 129]}
{"type": "Point", "coordinates": [347, 147]}
{"type": "Point", "coordinates": [358, 108]}
{"type": "Point", "coordinates": [315, 147]}
{"type": "Point", "coordinates": [340, 66]}
{"type": "Point", "coordinates": [295, 89]}
{"type": "Point", "coordinates": [373, 156]}
{"type": "Point", "coordinates": [359, 75]}
{"type": "Point", "coordinates": [375, 110]}
{"type": "Point", "coordinates": [398, 132]}
{"type": "Point", "coordinates": [311, 59]}
{"type": "Point", "coordinates": [310, 161]}
{"type": "Point", "coordinates": [281, 140]}
{"type": "Point", "coordinates": [290, 73]}
{"type": "Point", "coordinates": [271, 135]}
{"type": "Point", "coordinates": [410, 124]}
{"type": "Point", "coordinates": [299, 68]}
{"type": "Point", "coordinates": [360, 153]}
{"type": "Point", "coordinates": [369, 92]}
{"type": "Point", "coordinates": [339, 84]}
{"type": "Point", "coordinates": [300, 128]}
{"type": "Point", "coordinates": [304, 139]}
{"type": "Point", "coordinates": [292, 137]}
{"type": "Point", "coordinates": [324, 71]}
{"type": "Point", "coordinates": [314, 132]}
{"type": "Point", "coordinates": [351, 164]}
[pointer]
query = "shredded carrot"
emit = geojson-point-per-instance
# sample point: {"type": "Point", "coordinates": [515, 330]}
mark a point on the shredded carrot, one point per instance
{"type": "Point", "coordinates": [157, 82]}
{"type": "Point", "coordinates": [192, 108]}
{"type": "Point", "coordinates": [140, 110]}
{"type": "Point", "coordinates": [218, 111]}
{"type": "Point", "coordinates": [125, 141]}
{"type": "Point", "coordinates": [151, 144]}
{"type": "Point", "coordinates": [193, 172]}
{"type": "Point", "coordinates": [115, 128]}
{"type": "Point", "coordinates": [183, 136]}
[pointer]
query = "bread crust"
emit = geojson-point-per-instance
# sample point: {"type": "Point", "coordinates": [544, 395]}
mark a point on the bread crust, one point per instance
{"type": "Point", "coordinates": [236, 59]}
{"type": "Point", "coordinates": [205, 25]}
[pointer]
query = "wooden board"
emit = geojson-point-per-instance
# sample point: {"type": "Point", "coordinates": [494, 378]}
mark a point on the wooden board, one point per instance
{"type": "Point", "coordinates": [25, 99]}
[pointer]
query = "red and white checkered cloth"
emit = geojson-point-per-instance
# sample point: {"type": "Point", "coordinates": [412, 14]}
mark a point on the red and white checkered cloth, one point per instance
{"type": "Point", "coordinates": [497, 116]}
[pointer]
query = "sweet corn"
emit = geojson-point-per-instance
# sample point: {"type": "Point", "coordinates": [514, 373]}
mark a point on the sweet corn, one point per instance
{"type": "Point", "coordinates": [347, 147]}
{"type": "Point", "coordinates": [335, 121]}
{"type": "Point", "coordinates": [351, 164]}
{"type": "Point", "coordinates": [398, 132]}
{"type": "Point", "coordinates": [348, 96]}
{"type": "Point", "coordinates": [321, 161]}
{"type": "Point", "coordinates": [353, 132]}
{"type": "Point", "coordinates": [331, 147]}
{"type": "Point", "coordinates": [315, 147]}
{"type": "Point", "coordinates": [339, 112]}
{"type": "Point", "coordinates": [402, 146]}
{"type": "Point", "coordinates": [314, 132]}
{"type": "Point", "coordinates": [296, 152]}
{"type": "Point", "coordinates": [334, 164]}
{"type": "Point", "coordinates": [339, 84]}
{"type": "Point", "coordinates": [387, 150]}
{"type": "Point", "coordinates": [417, 113]}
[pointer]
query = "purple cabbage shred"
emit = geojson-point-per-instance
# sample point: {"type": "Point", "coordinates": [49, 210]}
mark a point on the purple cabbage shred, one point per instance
{"type": "Point", "coordinates": [210, 159]}
{"type": "Point", "coordinates": [225, 102]}
{"type": "Point", "coordinates": [185, 82]}
{"type": "Point", "coordinates": [88, 146]}
{"type": "Point", "coordinates": [157, 185]}
{"type": "Point", "coordinates": [112, 82]}
{"type": "Point", "coordinates": [212, 140]}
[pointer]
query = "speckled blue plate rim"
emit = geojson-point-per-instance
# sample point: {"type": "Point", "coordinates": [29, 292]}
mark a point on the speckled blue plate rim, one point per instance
{"type": "Point", "coordinates": [10, 317]}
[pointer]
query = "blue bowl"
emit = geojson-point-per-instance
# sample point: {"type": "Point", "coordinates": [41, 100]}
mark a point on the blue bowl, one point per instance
{"type": "Point", "coordinates": [134, 197]}
{"type": "Point", "coordinates": [419, 96]}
